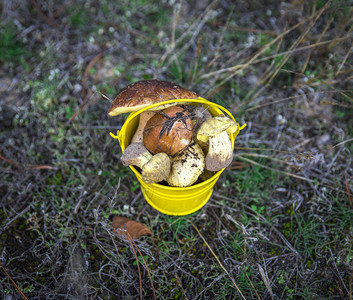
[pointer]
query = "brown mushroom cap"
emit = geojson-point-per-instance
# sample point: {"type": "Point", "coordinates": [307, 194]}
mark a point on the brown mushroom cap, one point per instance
{"type": "Point", "coordinates": [169, 131]}
{"type": "Point", "coordinates": [140, 94]}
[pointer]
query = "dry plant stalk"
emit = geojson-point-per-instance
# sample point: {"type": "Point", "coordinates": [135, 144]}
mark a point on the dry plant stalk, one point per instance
{"type": "Point", "coordinates": [349, 193]}
{"type": "Point", "coordinates": [130, 230]}
{"type": "Point", "coordinates": [148, 271]}
{"type": "Point", "coordinates": [86, 94]}
{"type": "Point", "coordinates": [28, 167]}
{"type": "Point", "coordinates": [23, 296]}
{"type": "Point", "coordinates": [272, 169]}
{"type": "Point", "coordinates": [137, 261]}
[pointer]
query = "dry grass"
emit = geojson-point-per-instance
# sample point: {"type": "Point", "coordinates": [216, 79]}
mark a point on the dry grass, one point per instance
{"type": "Point", "coordinates": [279, 224]}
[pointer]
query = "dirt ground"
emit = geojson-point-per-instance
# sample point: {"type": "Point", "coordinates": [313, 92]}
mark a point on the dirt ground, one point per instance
{"type": "Point", "coordinates": [279, 224]}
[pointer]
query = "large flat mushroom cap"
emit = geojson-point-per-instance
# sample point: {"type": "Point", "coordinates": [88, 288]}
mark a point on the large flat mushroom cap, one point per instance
{"type": "Point", "coordinates": [143, 93]}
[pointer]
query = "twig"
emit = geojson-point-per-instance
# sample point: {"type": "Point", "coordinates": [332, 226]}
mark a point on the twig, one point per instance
{"type": "Point", "coordinates": [197, 25]}
{"type": "Point", "coordinates": [341, 143]}
{"type": "Point", "coordinates": [276, 170]}
{"type": "Point", "coordinates": [17, 216]}
{"type": "Point", "coordinates": [176, 15]}
{"type": "Point", "coordinates": [268, 78]}
{"type": "Point", "coordinates": [344, 60]}
{"type": "Point", "coordinates": [95, 59]}
{"type": "Point", "coordinates": [211, 64]}
{"type": "Point", "coordinates": [40, 167]}
{"type": "Point", "coordinates": [338, 273]}
{"type": "Point", "coordinates": [266, 280]}
{"type": "Point", "coordinates": [265, 149]}
{"type": "Point", "coordinates": [236, 165]}
{"type": "Point", "coordinates": [318, 41]}
{"type": "Point", "coordinates": [148, 271]}
{"type": "Point", "coordinates": [239, 67]}
{"type": "Point", "coordinates": [132, 32]}
{"type": "Point", "coordinates": [344, 94]}
{"type": "Point", "coordinates": [350, 286]}
{"type": "Point", "coordinates": [197, 59]}
{"type": "Point", "coordinates": [48, 20]}
{"type": "Point", "coordinates": [23, 296]}
{"type": "Point", "coordinates": [219, 262]}
{"type": "Point", "coordinates": [295, 97]}
{"type": "Point", "coordinates": [348, 193]}
{"type": "Point", "coordinates": [252, 285]}
{"type": "Point", "coordinates": [9, 161]}
{"type": "Point", "coordinates": [265, 156]}
{"type": "Point", "coordinates": [244, 29]}
{"type": "Point", "coordinates": [85, 93]}
{"type": "Point", "coordinates": [137, 261]}
{"type": "Point", "coordinates": [29, 167]}
{"type": "Point", "coordinates": [79, 202]}
{"type": "Point", "coordinates": [60, 9]}
{"type": "Point", "coordinates": [250, 61]}
{"type": "Point", "coordinates": [133, 245]}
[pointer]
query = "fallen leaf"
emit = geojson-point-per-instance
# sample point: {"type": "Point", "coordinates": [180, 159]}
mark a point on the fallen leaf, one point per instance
{"type": "Point", "coordinates": [128, 229]}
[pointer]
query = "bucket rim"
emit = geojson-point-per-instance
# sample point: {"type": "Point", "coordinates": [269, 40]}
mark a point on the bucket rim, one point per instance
{"type": "Point", "coordinates": [197, 100]}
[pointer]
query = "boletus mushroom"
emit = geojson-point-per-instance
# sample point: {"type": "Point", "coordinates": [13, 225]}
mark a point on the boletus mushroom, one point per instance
{"type": "Point", "coordinates": [144, 117]}
{"type": "Point", "coordinates": [187, 167]}
{"type": "Point", "coordinates": [216, 132]}
{"type": "Point", "coordinates": [169, 131]}
{"type": "Point", "coordinates": [155, 168]}
{"type": "Point", "coordinates": [143, 93]}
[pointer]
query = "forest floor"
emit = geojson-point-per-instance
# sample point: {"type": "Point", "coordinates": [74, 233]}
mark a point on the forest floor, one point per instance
{"type": "Point", "coordinates": [279, 224]}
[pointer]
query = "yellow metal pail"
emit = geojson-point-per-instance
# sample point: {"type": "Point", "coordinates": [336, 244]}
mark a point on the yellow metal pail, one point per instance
{"type": "Point", "coordinates": [174, 200]}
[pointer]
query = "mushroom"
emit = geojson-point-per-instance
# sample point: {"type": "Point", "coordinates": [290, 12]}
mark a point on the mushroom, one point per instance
{"type": "Point", "coordinates": [136, 154]}
{"type": "Point", "coordinates": [143, 93]}
{"type": "Point", "coordinates": [144, 117]}
{"type": "Point", "coordinates": [154, 168]}
{"type": "Point", "coordinates": [216, 131]}
{"type": "Point", "coordinates": [169, 131]}
{"type": "Point", "coordinates": [187, 167]}
{"type": "Point", "coordinates": [157, 169]}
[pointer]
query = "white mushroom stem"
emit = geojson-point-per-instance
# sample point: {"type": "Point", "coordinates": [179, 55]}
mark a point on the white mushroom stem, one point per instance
{"type": "Point", "coordinates": [220, 152]}
{"type": "Point", "coordinates": [187, 167]}
{"type": "Point", "coordinates": [144, 117]}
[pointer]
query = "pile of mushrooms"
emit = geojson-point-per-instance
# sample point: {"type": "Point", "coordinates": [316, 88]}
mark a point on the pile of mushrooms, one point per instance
{"type": "Point", "coordinates": [175, 143]}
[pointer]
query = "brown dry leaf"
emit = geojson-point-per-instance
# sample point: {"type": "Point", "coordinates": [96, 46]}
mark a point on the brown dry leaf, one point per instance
{"type": "Point", "coordinates": [128, 229]}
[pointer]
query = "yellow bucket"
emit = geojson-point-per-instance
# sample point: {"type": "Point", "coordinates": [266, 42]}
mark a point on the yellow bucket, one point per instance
{"type": "Point", "coordinates": [174, 200]}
